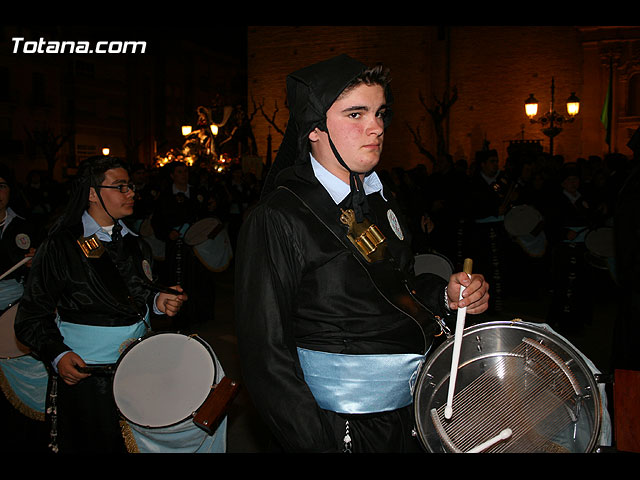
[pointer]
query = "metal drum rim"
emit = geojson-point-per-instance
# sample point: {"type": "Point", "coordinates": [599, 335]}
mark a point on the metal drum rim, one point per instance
{"type": "Point", "coordinates": [576, 356]}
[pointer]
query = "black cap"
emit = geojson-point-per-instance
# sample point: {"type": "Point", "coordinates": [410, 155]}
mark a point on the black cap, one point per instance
{"type": "Point", "coordinates": [310, 93]}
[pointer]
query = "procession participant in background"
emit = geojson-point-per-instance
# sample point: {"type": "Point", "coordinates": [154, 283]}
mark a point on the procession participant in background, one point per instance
{"type": "Point", "coordinates": [175, 211]}
{"type": "Point", "coordinates": [23, 378]}
{"type": "Point", "coordinates": [569, 222]}
{"type": "Point", "coordinates": [309, 291]}
{"type": "Point", "coordinates": [489, 192]}
{"type": "Point", "coordinates": [90, 293]}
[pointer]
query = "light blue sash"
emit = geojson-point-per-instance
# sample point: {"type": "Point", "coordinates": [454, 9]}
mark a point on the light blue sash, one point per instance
{"type": "Point", "coordinates": [26, 384]}
{"type": "Point", "coordinates": [582, 233]}
{"type": "Point", "coordinates": [182, 229]}
{"type": "Point", "coordinates": [491, 219]}
{"type": "Point", "coordinates": [100, 345]}
{"type": "Point", "coordinates": [360, 383]}
{"type": "Point", "coordinates": [10, 291]}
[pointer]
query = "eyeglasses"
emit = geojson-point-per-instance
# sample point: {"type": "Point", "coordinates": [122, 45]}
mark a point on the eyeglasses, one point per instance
{"type": "Point", "coordinates": [123, 188]}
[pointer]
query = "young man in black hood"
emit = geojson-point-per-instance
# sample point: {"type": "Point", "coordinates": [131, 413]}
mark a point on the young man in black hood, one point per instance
{"type": "Point", "coordinates": [330, 326]}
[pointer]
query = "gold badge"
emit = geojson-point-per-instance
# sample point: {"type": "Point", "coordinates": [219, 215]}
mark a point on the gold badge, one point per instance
{"type": "Point", "coordinates": [91, 246]}
{"type": "Point", "coordinates": [366, 237]}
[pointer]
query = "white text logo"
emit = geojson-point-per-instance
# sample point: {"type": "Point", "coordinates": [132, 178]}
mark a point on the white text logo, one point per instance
{"type": "Point", "coordinates": [68, 46]}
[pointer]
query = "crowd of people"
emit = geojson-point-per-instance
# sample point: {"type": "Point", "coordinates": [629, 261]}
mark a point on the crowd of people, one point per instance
{"type": "Point", "coordinates": [564, 194]}
{"type": "Point", "coordinates": [74, 271]}
{"type": "Point", "coordinates": [538, 223]}
{"type": "Point", "coordinates": [541, 224]}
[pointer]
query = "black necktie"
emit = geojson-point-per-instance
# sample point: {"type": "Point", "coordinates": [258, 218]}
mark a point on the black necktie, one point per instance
{"type": "Point", "coordinates": [115, 233]}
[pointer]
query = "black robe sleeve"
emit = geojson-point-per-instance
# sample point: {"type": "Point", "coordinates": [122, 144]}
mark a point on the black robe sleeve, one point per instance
{"type": "Point", "coordinates": [35, 324]}
{"type": "Point", "coordinates": [266, 285]}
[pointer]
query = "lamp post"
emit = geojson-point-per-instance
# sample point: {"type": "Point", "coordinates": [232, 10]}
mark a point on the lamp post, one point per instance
{"type": "Point", "coordinates": [552, 121]}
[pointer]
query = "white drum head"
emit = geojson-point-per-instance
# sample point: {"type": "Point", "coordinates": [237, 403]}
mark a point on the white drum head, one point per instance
{"type": "Point", "coordinates": [601, 242]}
{"type": "Point", "coordinates": [199, 231]}
{"type": "Point", "coordinates": [215, 253]}
{"type": "Point", "coordinates": [521, 220]}
{"type": "Point", "coordinates": [10, 347]}
{"type": "Point", "coordinates": [433, 263]}
{"type": "Point", "coordinates": [163, 379]}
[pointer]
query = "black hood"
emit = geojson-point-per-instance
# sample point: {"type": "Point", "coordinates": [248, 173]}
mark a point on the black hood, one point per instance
{"type": "Point", "coordinates": [310, 93]}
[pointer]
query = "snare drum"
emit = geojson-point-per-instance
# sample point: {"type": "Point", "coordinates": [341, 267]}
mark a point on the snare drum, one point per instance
{"type": "Point", "coordinates": [158, 247]}
{"type": "Point", "coordinates": [10, 346]}
{"type": "Point", "coordinates": [523, 223]}
{"type": "Point", "coordinates": [214, 253]}
{"type": "Point", "coordinates": [600, 248]}
{"type": "Point", "coordinates": [512, 377]}
{"type": "Point", "coordinates": [433, 263]}
{"type": "Point", "coordinates": [23, 378]}
{"type": "Point", "coordinates": [159, 384]}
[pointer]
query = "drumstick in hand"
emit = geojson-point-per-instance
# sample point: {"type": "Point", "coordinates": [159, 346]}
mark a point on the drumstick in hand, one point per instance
{"type": "Point", "coordinates": [16, 266]}
{"type": "Point", "coordinates": [457, 342]}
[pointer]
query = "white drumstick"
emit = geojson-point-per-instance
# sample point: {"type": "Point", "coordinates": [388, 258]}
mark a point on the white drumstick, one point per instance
{"type": "Point", "coordinates": [15, 267]}
{"type": "Point", "coordinates": [503, 435]}
{"type": "Point", "coordinates": [457, 342]}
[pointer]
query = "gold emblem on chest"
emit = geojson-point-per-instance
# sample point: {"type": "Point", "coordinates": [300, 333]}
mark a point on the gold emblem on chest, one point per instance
{"type": "Point", "coordinates": [366, 237]}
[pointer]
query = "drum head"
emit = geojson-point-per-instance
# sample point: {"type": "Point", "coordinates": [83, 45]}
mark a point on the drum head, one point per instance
{"type": "Point", "coordinates": [511, 375]}
{"type": "Point", "coordinates": [199, 231]}
{"type": "Point", "coordinates": [146, 230]}
{"type": "Point", "coordinates": [600, 242]}
{"type": "Point", "coordinates": [163, 379]}
{"type": "Point", "coordinates": [521, 220]}
{"type": "Point", "coordinates": [433, 263]}
{"type": "Point", "coordinates": [10, 347]}
{"type": "Point", "coordinates": [215, 253]}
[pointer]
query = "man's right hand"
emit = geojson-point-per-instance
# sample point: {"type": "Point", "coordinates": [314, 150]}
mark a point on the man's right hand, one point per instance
{"type": "Point", "coordinates": [67, 368]}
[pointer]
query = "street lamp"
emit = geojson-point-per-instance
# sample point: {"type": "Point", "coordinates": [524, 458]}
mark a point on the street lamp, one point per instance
{"type": "Point", "coordinates": [552, 121]}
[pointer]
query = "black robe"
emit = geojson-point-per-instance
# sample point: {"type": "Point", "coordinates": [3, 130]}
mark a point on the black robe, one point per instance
{"type": "Point", "coordinates": [299, 284]}
{"type": "Point", "coordinates": [81, 290]}
{"type": "Point", "coordinates": [10, 250]}
{"type": "Point", "coordinates": [91, 292]}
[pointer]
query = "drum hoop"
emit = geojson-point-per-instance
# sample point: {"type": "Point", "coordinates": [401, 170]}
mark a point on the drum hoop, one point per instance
{"type": "Point", "coordinates": [14, 307]}
{"type": "Point", "coordinates": [138, 341]}
{"type": "Point", "coordinates": [525, 326]}
{"type": "Point", "coordinates": [591, 234]}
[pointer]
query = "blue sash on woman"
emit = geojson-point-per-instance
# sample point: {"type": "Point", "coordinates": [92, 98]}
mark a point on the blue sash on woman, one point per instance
{"type": "Point", "coordinates": [360, 383]}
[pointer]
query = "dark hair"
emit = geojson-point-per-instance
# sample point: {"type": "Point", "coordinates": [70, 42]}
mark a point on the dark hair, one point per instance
{"type": "Point", "coordinates": [94, 168]}
{"type": "Point", "coordinates": [378, 75]}
{"type": "Point", "coordinates": [483, 156]}
{"type": "Point", "coordinates": [7, 174]}
{"type": "Point", "coordinates": [91, 172]}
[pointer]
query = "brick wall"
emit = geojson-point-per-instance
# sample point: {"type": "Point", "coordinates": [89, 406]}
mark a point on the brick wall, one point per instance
{"type": "Point", "coordinates": [494, 68]}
